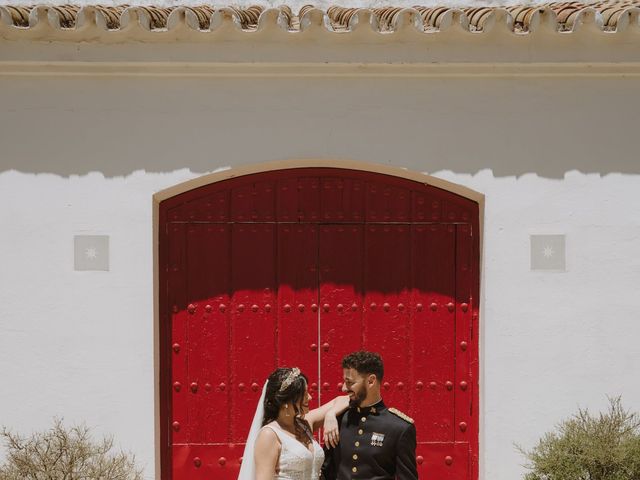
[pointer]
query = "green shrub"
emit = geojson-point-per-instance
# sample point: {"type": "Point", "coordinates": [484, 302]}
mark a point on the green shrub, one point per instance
{"type": "Point", "coordinates": [588, 447]}
{"type": "Point", "coordinates": [62, 453]}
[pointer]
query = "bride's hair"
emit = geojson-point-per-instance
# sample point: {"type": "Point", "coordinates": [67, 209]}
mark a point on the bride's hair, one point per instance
{"type": "Point", "coordinates": [294, 393]}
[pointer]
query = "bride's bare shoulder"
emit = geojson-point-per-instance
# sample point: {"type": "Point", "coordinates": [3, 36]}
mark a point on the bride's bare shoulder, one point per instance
{"type": "Point", "coordinates": [267, 442]}
{"type": "Point", "coordinates": [268, 432]}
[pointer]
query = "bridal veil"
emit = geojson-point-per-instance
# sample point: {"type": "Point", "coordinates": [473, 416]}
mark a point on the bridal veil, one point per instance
{"type": "Point", "coordinates": [248, 467]}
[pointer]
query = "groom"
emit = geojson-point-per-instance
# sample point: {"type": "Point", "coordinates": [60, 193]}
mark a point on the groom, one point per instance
{"type": "Point", "coordinates": [376, 442]}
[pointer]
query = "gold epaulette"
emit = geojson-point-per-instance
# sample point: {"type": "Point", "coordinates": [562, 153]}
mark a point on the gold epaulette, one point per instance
{"type": "Point", "coordinates": [397, 412]}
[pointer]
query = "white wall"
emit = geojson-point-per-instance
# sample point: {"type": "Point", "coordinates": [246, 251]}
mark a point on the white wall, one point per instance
{"type": "Point", "coordinates": [80, 344]}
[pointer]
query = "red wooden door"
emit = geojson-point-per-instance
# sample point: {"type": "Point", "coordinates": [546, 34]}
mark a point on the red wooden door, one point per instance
{"type": "Point", "coordinates": [300, 267]}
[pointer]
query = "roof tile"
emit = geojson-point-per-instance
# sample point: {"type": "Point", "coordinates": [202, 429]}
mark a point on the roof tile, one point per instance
{"type": "Point", "coordinates": [607, 14]}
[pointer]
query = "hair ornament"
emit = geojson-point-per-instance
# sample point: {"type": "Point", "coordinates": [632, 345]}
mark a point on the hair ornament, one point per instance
{"type": "Point", "coordinates": [290, 378]}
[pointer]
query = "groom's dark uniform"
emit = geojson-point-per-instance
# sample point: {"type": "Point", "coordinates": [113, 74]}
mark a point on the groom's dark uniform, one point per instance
{"type": "Point", "coordinates": [376, 443]}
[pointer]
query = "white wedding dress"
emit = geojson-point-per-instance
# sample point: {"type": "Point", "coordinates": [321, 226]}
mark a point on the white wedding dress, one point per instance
{"type": "Point", "coordinates": [297, 462]}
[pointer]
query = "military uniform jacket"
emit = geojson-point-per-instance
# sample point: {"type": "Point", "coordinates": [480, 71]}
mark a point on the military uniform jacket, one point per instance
{"type": "Point", "coordinates": [375, 444]}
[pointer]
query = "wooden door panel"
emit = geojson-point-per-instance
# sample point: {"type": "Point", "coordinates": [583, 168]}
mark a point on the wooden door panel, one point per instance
{"type": "Point", "coordinates": [388, 203]}
{"type": "Point", "coordinates": [464, 311]}
{"type": "Point", "coordinates": [207, 461]}
{"type": "Point", "coordinates": [253, 320]}
{"type": "Point", "coordinates": [298, 300]}
{"type": "Point", "coordinates": [207, 283]}
{"type": "Point", "coordinates": [341, 269]}
{"type": "Point", "coordinates": [342, 199]}
{"type": "Point", "coordinates": [443, 461]}
{"type": "Point", "coordinates": [298, 199]}
{"type": "Point", "coordinates": [433, 335]}
{"type": "Point", "coordinates": [387, 306]}
{"type": "Point", "coordinates": [176, 264]}
{"type": "Point", "coordinates": [254, 201]}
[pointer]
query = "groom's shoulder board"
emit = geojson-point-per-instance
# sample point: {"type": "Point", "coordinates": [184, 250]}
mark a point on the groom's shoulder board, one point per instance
{"type": "Point", "coordinates": [403, 416]}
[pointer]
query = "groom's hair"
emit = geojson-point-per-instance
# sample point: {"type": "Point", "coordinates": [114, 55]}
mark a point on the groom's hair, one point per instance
{"type": "Point", "coordinates": [365, 363]}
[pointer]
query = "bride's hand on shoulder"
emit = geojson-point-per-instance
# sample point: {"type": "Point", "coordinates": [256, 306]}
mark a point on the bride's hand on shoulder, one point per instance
{"type": "Point", "coordinates": [331, 434]}
{"type": "Point", "coordinates": [317, 417]}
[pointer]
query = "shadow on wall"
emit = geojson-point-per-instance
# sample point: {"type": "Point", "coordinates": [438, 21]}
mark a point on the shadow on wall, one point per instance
{"type": "Point", "coordinates": [118, 126]}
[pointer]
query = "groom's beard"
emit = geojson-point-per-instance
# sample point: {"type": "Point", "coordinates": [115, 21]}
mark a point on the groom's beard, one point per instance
{"type": "Point", "coordinates": [358, 399]}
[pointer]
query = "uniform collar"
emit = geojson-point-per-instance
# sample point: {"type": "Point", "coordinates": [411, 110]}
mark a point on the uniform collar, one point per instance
{"type": "Point", "coordinates": [373, 409]}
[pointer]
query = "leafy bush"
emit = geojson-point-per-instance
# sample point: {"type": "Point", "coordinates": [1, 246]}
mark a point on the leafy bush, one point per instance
{"type": "Point", "coordinates": [64, 454]}
{"type": "Point", "coordinates": [587, 447]}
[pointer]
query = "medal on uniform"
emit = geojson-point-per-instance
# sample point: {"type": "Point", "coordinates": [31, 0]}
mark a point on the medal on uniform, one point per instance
{"type": "Point", "coordinates": [377, 439]}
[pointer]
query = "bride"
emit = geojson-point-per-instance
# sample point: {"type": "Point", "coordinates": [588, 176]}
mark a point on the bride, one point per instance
{"type": "Point", "coordinates": [280, 445]}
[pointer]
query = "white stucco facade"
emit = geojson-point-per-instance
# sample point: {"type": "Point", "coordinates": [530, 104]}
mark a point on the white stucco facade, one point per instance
{"type": "Point", "coordinates": [553, 149]}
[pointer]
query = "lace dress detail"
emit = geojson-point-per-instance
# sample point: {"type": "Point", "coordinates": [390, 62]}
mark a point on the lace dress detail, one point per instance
{"type": "Point", "coordinates": [297, 462]}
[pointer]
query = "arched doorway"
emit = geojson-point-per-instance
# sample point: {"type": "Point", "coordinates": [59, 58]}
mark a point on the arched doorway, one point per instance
{"type": "Point", "coordinates": [300, 266]}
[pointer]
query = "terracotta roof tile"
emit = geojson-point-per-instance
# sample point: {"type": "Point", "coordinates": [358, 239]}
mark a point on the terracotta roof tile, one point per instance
{"type": "Point", "coordinates": [607, 15]}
